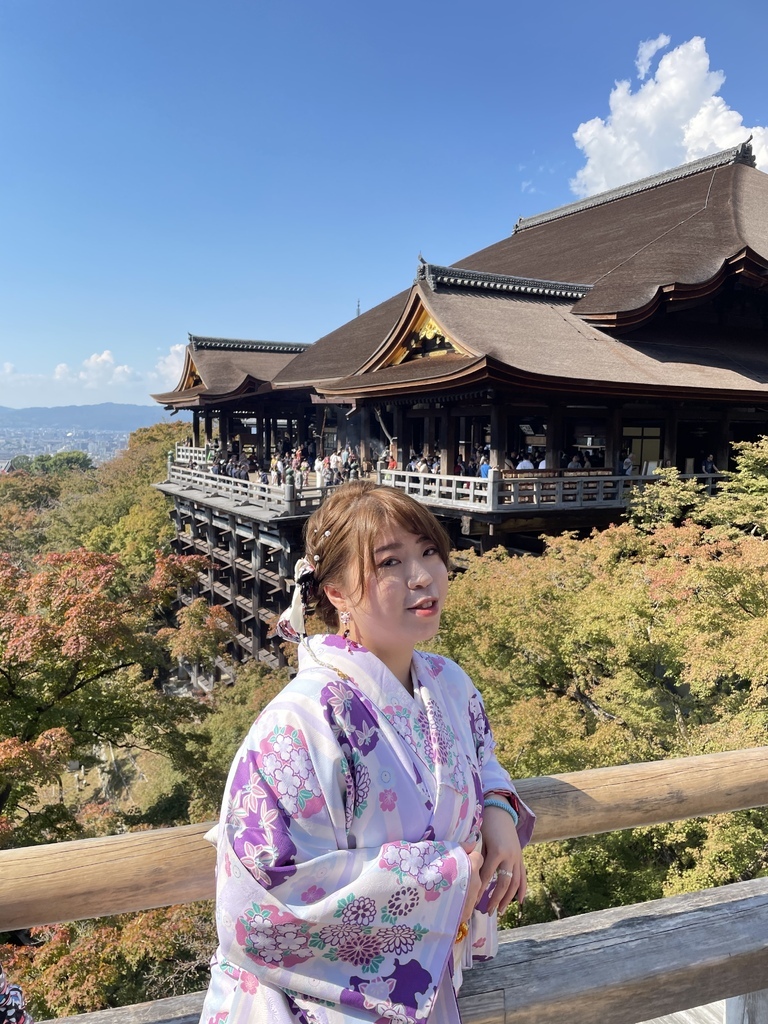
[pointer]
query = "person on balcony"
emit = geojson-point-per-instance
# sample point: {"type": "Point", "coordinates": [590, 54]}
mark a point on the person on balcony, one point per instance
{"type": "Point", "coordinates": [368, 835]}
{"type": "Point", "coordinates": [708, 465]}
{"type": "Point", "coordinates": [525, 463]}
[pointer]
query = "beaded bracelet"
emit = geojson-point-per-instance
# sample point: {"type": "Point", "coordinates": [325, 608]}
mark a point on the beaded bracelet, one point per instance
{"type": "Point", "coordinates": [492, 801]}
{"type": "Point", "coordinates": [505, 794]}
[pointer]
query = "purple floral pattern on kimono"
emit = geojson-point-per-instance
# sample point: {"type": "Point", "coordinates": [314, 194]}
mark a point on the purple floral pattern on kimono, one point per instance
{"type": "Point", "coordinates": [341, 876]}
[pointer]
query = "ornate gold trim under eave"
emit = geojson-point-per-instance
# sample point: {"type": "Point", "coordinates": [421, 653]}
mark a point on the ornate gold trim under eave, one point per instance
{"type": "Point", "coordinates": [415, 316]}
{"type": "Point", "coordinates": [423, 338]}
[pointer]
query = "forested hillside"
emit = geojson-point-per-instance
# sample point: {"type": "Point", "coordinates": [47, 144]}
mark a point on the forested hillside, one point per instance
{"type": "Point", "coordinates": [645, 641]}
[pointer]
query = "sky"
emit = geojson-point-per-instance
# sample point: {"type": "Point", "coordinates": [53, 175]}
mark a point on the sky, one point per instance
{"type": "Point", "coordinates": [249, 169]}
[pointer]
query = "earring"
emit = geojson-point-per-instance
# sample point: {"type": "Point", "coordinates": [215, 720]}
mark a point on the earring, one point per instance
{"type": "Point", "coordinates": [345, 618]}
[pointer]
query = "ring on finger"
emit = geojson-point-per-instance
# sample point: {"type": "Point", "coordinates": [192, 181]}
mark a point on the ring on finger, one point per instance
{"type": "Point", "coordinates": [507, 874]}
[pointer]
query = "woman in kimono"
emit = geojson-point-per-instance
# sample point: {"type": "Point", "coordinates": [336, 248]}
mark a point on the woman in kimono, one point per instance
{"type": "Point", "coordinates": [368, 835]}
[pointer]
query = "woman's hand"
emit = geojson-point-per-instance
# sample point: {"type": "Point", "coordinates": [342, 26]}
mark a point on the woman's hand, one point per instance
{"type": "Point", "coordinates": [475, 884]}
{"type": "Point", "coordinates": [503, 859]}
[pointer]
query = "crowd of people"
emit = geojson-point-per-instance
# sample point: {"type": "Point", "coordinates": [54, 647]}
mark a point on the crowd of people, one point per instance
{"type": "Point", "coordinates": [303, 466]}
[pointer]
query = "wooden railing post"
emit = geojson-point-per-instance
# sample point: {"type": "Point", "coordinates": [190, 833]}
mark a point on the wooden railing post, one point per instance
{"type": "Point", "coordinates": [747, 1009]}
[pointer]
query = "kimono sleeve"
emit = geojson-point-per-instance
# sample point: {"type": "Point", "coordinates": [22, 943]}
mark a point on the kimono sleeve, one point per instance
{"type": "Point", "coordinates": [367, 930]}
{"type": "Point", "coordinates": [494, 776]}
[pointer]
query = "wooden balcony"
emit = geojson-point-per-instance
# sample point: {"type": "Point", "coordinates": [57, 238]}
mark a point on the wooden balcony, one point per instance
{"type": "Point", "coordinates": [616, 966]}
{"type": "Point", "coordinates": [504, 493]}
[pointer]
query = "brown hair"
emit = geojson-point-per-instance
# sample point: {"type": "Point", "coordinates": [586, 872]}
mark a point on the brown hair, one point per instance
{"type": "Point", "coordinates": [340, 536]}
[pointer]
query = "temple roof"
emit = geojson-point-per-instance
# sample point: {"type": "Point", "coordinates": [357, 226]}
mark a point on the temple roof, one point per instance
{"type": "Point", "coordinates": [216, 369]}
{"type": "Point", "coordinates": [555, 300]}
{"type": "Point", "coordinates": [634, 244]}
{"type": "Point", "coordinates": [539, 341]}
{"type": "Point", "coordinates": [578, 297]}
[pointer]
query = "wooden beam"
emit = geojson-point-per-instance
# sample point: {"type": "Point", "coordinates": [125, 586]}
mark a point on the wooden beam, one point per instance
{"type": "Point", "coordinates": [634, 795]}
{"type": "Point", "coordinates": [626, 964]}
{"type": "Point", "coordinates": [615, 966]}
{"type": "Point", "coordinates": [141, 870]}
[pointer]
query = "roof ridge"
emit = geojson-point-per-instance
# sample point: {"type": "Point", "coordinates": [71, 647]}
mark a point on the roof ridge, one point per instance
{"type": "Point", "coordinates": [456, 277]}
{"type": "Point", "coordinates": [741, 154]}
{"type": "Point", "coordinates": [198, 342]}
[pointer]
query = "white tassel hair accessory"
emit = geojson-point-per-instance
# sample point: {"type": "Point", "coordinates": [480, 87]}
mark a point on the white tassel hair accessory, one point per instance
{"type": "Point", "coordinates": [291, 625]}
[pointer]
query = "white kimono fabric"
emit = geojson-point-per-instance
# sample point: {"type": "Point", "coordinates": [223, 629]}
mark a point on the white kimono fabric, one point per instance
{"type": "Point", "coordinates": [341, 878]}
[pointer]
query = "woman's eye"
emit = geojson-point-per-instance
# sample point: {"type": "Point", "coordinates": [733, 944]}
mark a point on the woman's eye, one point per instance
{"type": "Point", "coordinates": [431, 551]}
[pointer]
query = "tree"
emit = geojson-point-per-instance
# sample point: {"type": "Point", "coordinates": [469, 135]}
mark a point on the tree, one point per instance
{"type": "Point", "coordinates": [116, 510]}
{"type": "Point", "coordinates": [24, 500]}
{"type": "Point", "coordinates": [82, 651]}
{"type": "Point", "coordinates": [668, 500]}
{"type": "Point", "coordinates": [61, 462]}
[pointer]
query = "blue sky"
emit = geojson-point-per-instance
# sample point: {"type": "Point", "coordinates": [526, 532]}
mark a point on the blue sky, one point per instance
{"type": "Point", "coordinates": [251, 170]}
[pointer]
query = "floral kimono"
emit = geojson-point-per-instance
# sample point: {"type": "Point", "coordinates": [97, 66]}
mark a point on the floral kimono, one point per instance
{"type": "Point", "coordinates": [341, 878]}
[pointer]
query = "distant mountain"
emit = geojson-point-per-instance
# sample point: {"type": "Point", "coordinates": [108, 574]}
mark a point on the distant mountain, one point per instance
{"type": "Point", "coordinates": [106, 416]}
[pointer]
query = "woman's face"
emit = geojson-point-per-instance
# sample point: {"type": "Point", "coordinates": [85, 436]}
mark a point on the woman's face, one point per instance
{"type": "Point", "coordinates": [403, 596]}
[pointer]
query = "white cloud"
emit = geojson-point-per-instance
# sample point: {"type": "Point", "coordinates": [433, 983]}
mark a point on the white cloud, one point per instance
{"type": "Point", "coordinates": [99, 378]}
{"type": "Point", "coordinates": [675, 116]}
{"type": "Point", "coordinates": [100, 370]}
{"type": "Point", "coordinates": [168, 368]}
{"type": "Point", "coordinates": [647, 51]}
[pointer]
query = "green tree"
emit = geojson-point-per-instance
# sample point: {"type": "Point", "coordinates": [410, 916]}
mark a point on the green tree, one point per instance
{"type": "Point", "coordinates": [24, 500]}
{"type": "Point", "coordinates": [116, 510]}
{"type": "Point", "coordinates": [82, 650]}
{"type": "Point", "coordinates": [61, 462]}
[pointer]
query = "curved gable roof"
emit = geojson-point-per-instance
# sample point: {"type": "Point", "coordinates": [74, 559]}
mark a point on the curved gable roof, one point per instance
{"type": "Point", "coordinates": [218, 368]}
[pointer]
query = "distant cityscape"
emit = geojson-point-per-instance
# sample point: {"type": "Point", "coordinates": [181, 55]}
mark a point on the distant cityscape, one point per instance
{"type": "Point", "coordinates": [101, 431]}
{"type": "Point", "coordinates": [100, 445]}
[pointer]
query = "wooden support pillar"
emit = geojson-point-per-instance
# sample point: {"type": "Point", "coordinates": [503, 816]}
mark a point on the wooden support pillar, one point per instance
{"type": "Point", "coordinates": [429, 433]}
{"type": "Point", "coordinates": [364, 419]}
{"type": "Point", "coordinates": [223, 431]}
{"type": "Point", "coordinates": [498, 435]}
{"type": "Point", "coordinates": [196, 428]}
{"type": "Point", "coordinates": [208, 426]}
{"type": "Point", "coordinates": [613, 436]}
{"type": "Point", "coordinates": [398, 445]}
{"type": "Point", "coordinates": [669, 452]}
{"type": "Point", "coordinates": [463, 440]}
{"type": "Point", "coordinates": [448, 442]}
{"type": "Point", "coordinates": [722, 451]}
{"type": "Point", "coordinates": [554, 436]}
{"type": "Point", "coordinates": [749, 1009]}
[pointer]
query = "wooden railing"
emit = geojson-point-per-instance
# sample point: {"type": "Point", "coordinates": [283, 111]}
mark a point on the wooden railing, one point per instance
{"type": "Point", "coordinates": [524, 491]}
{"type": "Point", "coordinates": [615, 966]}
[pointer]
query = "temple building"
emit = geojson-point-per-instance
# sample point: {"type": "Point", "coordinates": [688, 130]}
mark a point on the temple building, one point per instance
{"type": "Point", "coordinates": [633, 322]}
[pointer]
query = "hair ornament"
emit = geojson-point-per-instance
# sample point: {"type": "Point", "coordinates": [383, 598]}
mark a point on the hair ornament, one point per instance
{"type": "Point", "coordinates": [291, 625]}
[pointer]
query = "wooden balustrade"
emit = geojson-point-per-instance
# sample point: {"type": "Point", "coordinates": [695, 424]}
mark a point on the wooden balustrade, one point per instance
{"type": "Point", "coordinates": [615, 966]}
{"type": "Point", "coordinates": [141, 870]}
{"type": "Point", "coordinates": [544, 490]}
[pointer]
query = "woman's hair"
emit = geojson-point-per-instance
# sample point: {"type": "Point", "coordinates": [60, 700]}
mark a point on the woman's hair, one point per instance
{"type": "Point", "coordinates": [341, 535]}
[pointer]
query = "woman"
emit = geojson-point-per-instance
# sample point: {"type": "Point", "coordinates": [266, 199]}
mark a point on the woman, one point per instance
{"type": "Point", "coordinates": [365, 815]}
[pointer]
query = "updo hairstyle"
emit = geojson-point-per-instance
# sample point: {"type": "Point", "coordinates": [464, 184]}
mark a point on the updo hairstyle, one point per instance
{"type": "Point", "coordinates": [341, 535]}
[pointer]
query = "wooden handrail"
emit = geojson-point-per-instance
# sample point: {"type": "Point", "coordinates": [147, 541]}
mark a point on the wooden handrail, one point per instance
{"type": "Point", "coordinates": [142, 870]}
